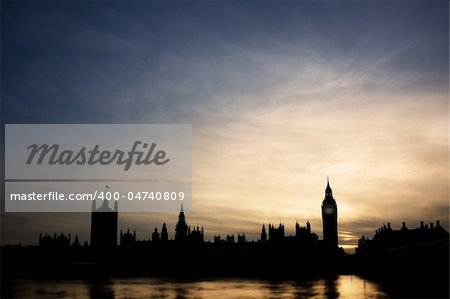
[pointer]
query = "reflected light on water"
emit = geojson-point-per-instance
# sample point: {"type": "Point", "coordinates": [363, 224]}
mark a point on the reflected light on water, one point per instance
{"type": "Point", "coordinates": [344, 286]}
{"type": "Point", "coordinates": [355, 287]}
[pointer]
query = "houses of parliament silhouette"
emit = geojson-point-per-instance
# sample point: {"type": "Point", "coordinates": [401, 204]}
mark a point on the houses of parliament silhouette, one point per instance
{"type": "Point", "coordinates": [104, 223]}
{"type": "Point", "coordinates": [400, 256]}
{"type": "Point", "coordinates": [274, 253]}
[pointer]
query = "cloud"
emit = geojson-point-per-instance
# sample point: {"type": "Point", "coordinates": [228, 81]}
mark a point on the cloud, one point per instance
{"type": "Point", "coordinates": [276, 103]}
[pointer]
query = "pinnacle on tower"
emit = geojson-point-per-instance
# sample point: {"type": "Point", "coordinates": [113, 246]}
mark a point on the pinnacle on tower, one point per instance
{"type": "Point", "coordinates": [328, 191]}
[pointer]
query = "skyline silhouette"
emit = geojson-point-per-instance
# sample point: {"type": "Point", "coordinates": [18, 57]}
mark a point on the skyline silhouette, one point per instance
{"type": "Point", "coordinates": [393, 258]}
{"type": "Point", "coordinates": [108, 228]}
{"type": "Point", "coordinates": [104, 231]}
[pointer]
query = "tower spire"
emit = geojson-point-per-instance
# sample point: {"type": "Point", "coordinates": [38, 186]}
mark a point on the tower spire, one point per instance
{"type": "Point", "coordinates": [328, 191]}
{"type": "Point", "coordinates": [105, 201]}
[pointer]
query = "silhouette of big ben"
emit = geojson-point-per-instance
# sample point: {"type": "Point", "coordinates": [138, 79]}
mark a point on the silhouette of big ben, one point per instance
{"type": "Point", "coordinates": [329, 218]}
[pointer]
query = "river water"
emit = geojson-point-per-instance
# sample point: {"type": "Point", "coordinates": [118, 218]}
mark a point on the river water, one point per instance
{"type": "Point", "coordinates": [343, 286]}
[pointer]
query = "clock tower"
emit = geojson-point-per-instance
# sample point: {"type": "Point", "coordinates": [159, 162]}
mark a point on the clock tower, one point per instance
{"type": "Point", "coordinates": [329, 218]}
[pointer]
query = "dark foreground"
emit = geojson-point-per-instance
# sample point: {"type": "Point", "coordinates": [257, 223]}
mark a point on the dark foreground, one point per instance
{"type": "Point", "coordinates": [201, 270]}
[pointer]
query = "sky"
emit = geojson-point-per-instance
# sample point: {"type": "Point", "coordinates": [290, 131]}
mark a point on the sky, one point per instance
{"type": "Point", "coordinates": [280, 94]}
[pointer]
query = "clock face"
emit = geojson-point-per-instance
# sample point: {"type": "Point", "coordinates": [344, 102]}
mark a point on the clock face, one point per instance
{"type": "Point", "coordinates": [329, 210]}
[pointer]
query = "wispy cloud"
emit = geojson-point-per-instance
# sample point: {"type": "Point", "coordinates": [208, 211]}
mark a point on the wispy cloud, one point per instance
{"type": "Point", "coordinates": [276, 103]}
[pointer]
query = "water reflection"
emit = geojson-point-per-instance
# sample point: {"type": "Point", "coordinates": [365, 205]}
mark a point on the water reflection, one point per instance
{"type": "Point", "coordinates": [100, 289]}
{"type": "Point", "coordinates": [330, 288]}
{"type": "Point", "coordinates": [344, 286]}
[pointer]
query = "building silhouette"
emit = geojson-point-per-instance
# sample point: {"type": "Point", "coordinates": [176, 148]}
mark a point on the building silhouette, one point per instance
{"type": "Point", "coordinates": [61, 241]}
{"type": "Point", "coordinates": [329, 218]}
{"type": "Point", "coordinates": [263, 234]}
{"type": "Point", "coordinates": [276, 234]}
{"type": "Point", "coordinates": [241, 238]}
{"type": "Point", "coordinates": [104, 228]}
{"type": "Point", "coordinates": [104, 225]}
{"type": "Point", "coordinates": [181, 228]}
{"type": "Point", "coordinates": [305, 236]}
{"type": "Point", "coordinates": [302, 230]}
{"type": "Point", "coordinates": [230, 238]}
{"type": "Point", "coordinates": [387, 238]}
{"type": "Point", "coordinates": [196, 235]}
{"type": "Point", "coordinates": [155, 235]}
{"type": "Point", "coordinates": [164, 233]}
{"type": "Point", "coordinates": [57, 241]}
{"type": "Point", "coordinates": [183, 232]}
{"type": "Point", "coordinates": [127, 239]}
